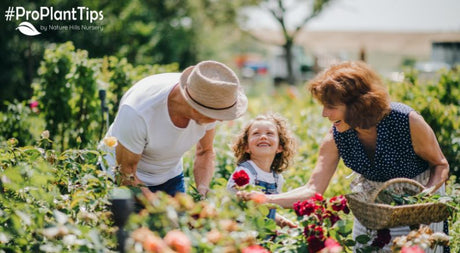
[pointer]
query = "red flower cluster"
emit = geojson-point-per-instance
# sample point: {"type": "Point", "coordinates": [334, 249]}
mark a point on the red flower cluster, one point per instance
{"type": "Point", "coordinates": [315, 237]}
{"type": "Point", "coordinates": [318, 215]}
{"type": "Point", "coordinates": [241, 178]}
{"type": "Point", "coordinates": [383, 238]}
{"type": "Point", "coordinates": [339, 203]}
{"type": "Point", "coordinates": [309, 206]}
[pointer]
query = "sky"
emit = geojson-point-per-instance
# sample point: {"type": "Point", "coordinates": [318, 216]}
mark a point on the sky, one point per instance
{"type": "Point", "coordinates": [377, 15]}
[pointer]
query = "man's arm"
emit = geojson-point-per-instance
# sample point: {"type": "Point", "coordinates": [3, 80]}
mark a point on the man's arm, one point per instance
{"type": "Point", "coordinates": [128, 161]}
{"type": "Point", "coordinates": [203, 168]}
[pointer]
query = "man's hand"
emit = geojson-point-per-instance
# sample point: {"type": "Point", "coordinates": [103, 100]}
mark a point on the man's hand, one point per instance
{"type": "Point", "coordinates": [203, 190]}
{"type": "Point", "coordinates": [127, 162]}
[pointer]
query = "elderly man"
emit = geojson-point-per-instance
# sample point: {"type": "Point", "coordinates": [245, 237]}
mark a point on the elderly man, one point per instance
{"type": "Point", "coordinates": [162, 116]}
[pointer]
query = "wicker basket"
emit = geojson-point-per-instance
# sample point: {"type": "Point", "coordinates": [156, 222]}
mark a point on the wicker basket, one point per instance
{"type": "Point", "coordinates": [380, 215]}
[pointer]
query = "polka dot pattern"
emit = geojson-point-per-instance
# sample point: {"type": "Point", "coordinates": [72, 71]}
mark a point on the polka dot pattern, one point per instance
{"type": "Point", "coordinates": [394, 156]}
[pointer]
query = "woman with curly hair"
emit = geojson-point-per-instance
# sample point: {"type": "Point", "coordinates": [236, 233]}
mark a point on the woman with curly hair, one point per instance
{"type": "Point", "coordinates": [263, 150]}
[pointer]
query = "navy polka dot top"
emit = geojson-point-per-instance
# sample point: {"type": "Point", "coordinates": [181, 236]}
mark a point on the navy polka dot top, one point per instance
{"type": "Point", "coordinates": [394, 155]}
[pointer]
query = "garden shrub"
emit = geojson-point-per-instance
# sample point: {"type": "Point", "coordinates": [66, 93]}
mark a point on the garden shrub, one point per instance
{"type": "Point", "coordinates": [15, 123]}
{"type": "Point", "coordinates": [438, 101]}
{"type": "Point", "coordinates": [53, 202]}
{"type": "Point", "coordinates": [67, 91]}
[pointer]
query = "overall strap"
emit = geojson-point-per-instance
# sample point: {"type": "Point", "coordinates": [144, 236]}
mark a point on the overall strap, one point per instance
{"type": "Point", "coordinates": [248, 166]}
{"type": "Point", "coordinates": [275, 176]}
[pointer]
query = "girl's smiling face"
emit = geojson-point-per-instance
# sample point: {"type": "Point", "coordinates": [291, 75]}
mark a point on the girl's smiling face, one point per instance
{"type": "Point", "coordinates": [336, 114]}
{"type": "Point", "coordinates": [263, 139]}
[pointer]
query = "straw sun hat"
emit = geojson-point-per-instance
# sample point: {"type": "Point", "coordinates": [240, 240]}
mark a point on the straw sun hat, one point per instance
{"type": "Point", "coordinates": [214, 90]}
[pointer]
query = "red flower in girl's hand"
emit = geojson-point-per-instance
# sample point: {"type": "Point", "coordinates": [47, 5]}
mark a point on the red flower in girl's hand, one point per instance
{"type": "Point", "coordinates": [241, 178]}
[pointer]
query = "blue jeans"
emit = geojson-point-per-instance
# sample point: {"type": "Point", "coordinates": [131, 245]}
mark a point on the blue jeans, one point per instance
{"type": "Point", "coordinates": [172, 186]}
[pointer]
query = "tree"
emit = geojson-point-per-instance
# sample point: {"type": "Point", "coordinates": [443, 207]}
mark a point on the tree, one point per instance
{"type": "Point", "coordinates": [280, 10]}
{"type": "Point", "coordinates": [143, 31]}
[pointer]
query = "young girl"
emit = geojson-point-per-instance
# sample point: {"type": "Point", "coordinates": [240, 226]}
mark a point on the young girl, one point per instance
{"type": "Point", "coordinates": [263, 150]}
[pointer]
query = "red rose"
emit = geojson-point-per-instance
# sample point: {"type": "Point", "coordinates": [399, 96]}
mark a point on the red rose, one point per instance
{"type": "Point", "coordinates": [318, 197]}
{"type": "Point", "coordinates": [332, 216]}
{"type": "Point", "coordinates": [241, 178]}
{"type": "Point", "coordinates": [339, 203]}
{"type": "Point", "coordinates": [383, 238]}
{"type": "Point", "coordinates": [306, 207]}
{"type": "Point", "coordinates": [255, 249]}
{"type": "Point", "coordinates": [315, 231]}
{"type": "Point", "coordinates": [315, 244]}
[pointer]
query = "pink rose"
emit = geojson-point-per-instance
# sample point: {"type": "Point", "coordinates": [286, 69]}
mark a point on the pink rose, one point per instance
{"type": "Point", "coordinates": [413, 249]}
{"type": "Point", "coordinates": [332, 246]}
{"type": "Point", "coordinates": [178, 241]}
{"type": "Point", "coordinates": [255, 249]}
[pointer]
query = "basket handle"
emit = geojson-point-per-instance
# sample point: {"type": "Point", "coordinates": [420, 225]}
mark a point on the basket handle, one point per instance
{"type": "Point", "coordinates": [397, 180]}
{"type": "Point", "coordinates": [432, 189]}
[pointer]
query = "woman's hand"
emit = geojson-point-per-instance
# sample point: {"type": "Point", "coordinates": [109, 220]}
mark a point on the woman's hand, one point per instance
{"type": "Point", "coordinates": [258, 197]}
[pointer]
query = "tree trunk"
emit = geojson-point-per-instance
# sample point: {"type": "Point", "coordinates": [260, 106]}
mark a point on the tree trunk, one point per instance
{"type": "Point", "coordinates": [289, 57]}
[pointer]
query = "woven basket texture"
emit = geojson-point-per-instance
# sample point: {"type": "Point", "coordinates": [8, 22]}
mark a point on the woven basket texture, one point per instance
{"type": "Point", "coordinates": [374, 212]}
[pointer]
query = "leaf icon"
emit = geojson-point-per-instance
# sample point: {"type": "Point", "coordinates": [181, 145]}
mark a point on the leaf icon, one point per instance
{"type": "Point", "coordinates": [28, 29]}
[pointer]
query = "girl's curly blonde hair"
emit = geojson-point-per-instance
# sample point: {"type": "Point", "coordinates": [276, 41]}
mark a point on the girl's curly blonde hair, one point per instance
{"type": "Point", "coordinates": [286, 140]}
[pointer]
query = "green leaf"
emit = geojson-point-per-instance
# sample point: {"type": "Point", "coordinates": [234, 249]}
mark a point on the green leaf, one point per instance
{"type": "Point", "coordinates": [363, 239]}
{"type": "Point", "coordinates": [349, 243]}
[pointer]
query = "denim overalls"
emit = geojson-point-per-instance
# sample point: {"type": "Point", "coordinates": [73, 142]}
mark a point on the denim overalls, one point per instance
{"type": "Point", "coordinates": [268, 188]}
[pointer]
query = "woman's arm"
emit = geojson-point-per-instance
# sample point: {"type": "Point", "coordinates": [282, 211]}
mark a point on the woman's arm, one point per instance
{"type": "Point", "coordinates": [427, 147]}
{"type": "Point", "coordinates": [319, 180]}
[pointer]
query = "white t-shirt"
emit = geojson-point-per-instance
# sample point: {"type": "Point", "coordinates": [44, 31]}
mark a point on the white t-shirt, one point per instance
{"type": "Point", "coordinates": [261, 176]}
{"type": "Point", "coordinates": [144, 127]}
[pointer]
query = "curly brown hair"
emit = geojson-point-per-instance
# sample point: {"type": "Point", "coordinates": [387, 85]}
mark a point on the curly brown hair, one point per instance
{"type": "Point", "coordinates": [358, 87]}
{"type": "Point", "coordinates": [287, 141]}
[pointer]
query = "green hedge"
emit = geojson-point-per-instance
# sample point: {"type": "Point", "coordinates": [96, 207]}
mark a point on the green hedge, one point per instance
{"type": "Point", "coordinates": [438, 101]}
